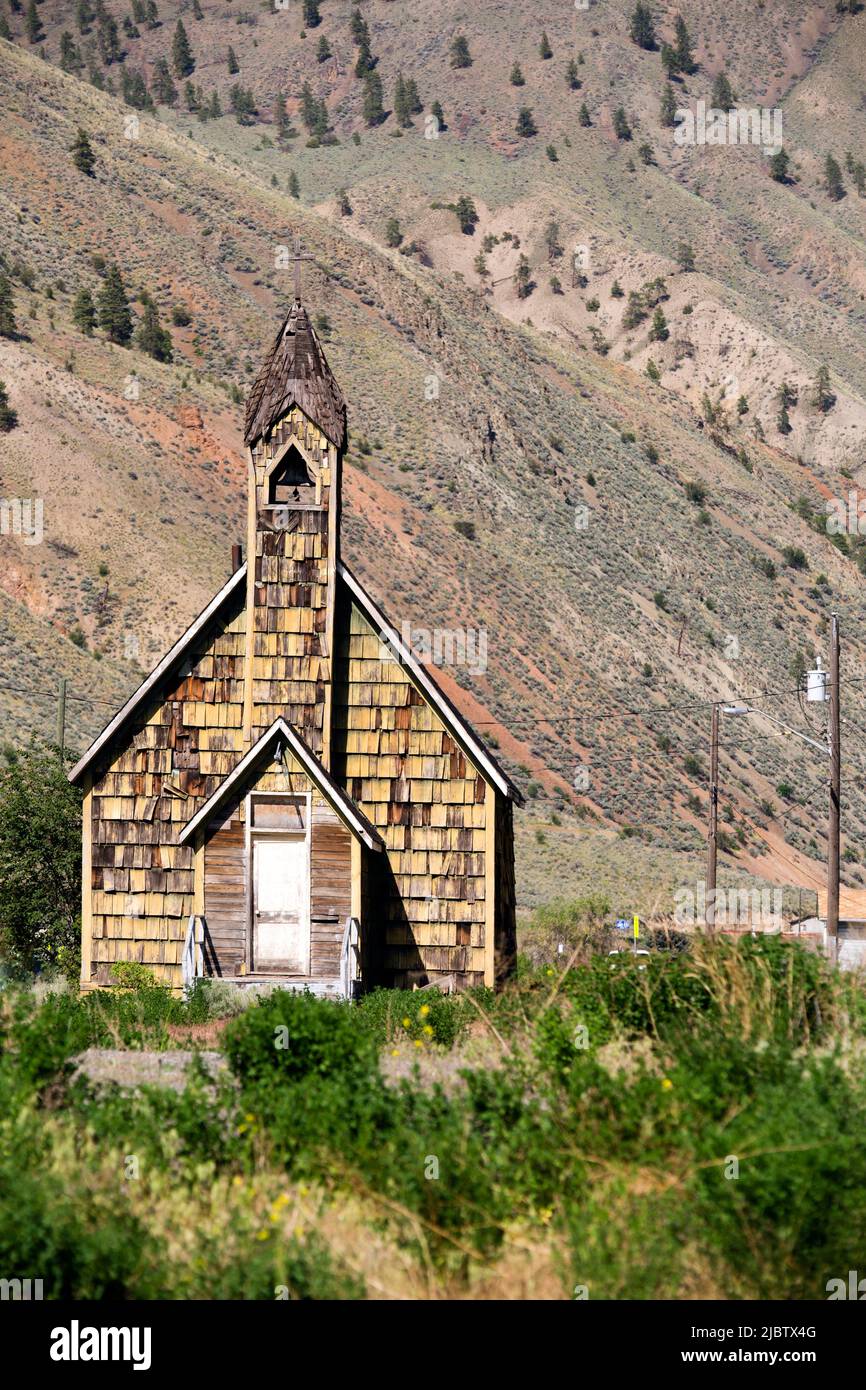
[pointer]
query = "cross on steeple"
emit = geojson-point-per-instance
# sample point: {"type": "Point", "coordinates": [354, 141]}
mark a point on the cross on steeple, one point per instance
{"type": "Point", "coordinates": [298, 257]}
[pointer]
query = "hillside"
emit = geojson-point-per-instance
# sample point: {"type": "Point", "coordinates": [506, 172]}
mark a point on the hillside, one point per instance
{"type": "Point", "coordinates": [504, 473]}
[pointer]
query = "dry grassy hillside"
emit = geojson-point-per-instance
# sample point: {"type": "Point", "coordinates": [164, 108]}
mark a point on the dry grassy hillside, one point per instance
{"type": "Point", "coordinates": [624, 547]}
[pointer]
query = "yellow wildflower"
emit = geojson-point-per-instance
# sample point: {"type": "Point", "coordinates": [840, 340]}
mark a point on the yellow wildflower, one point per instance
{"type": "Point", "coordinates": [667, 1084]}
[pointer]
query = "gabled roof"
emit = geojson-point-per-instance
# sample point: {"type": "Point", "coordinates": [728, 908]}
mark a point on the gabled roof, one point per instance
{"type": "Point", "coordinates": [460, 730]}
{"type": "Point", "coordinates": [296, 373]}
{"type": "Point", "coordinates": [337, 799]}
{"type": "Point", "coordinates": [169, 660]}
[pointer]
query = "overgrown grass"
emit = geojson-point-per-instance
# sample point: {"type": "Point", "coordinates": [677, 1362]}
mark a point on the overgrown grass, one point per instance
{"type": "Point", "coordinates": [693, 1128]}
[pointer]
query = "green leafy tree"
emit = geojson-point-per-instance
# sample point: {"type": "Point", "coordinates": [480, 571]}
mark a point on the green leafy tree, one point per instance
{"type": "Point", "coordinates": [82, 153]}
{"type": "Point", "coordinates": [182, 60]}
{"type": "Point", "coordinates": [526, 123]}
{"type": "Point", "coordinates": [151, 337]}
{"type": "Point", "coordinates": [84, 313]}
{"type": "Point", "coordinates": [460, 55]}
{"type": "Point", "coordinates": [8, 416]}
{"type": "Point", "coordinates": [40, 863]}
{"type": "Point", "coordinates": [112, 305]}
{"type": "Point", "coordinates": [642, 29]}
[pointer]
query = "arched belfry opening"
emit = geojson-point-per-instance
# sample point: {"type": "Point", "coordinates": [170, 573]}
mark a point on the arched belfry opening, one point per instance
{"type": "Point", "coordinates": [291, 482]}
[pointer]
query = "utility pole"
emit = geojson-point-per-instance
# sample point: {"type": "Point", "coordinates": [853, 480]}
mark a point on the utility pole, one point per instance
{"type": "Point", "coordinates": [61, 717]}
{"type": "Point", "coordinates": [835, 792]}
{"type": "Point", "coordinates": [712, 831]}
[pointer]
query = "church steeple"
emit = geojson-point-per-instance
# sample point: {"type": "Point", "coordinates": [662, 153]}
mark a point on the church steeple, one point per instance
{"type": "Point", "coordinates": [295, 431]}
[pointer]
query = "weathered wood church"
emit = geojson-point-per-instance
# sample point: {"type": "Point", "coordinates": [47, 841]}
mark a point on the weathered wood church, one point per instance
{"type": "Point", "coordinates": [289, 796]}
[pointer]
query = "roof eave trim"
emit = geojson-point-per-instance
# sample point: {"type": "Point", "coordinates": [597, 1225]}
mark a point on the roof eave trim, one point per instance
{"type": "Point", "coordinates": [450, 716]}
{"type": "Point", "coordinates": [333, 794]}
{"type": "Point", "coordinates": [157, 673]}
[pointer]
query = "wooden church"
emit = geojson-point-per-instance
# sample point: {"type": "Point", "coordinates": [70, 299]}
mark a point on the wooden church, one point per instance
{"type": "Point", "coordinates": [289, 796]}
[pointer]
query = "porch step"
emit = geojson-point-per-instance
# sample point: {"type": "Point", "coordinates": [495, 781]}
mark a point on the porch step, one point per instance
{"type": "Point", "coordinates": [323, 987]}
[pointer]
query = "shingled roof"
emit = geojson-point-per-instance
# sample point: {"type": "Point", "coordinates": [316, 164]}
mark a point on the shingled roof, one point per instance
{"type": "Point", "coordinates": [296, 373]}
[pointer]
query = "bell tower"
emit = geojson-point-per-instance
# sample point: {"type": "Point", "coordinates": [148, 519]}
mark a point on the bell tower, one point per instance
{"type": "Point", "coordinates": [295, 433]}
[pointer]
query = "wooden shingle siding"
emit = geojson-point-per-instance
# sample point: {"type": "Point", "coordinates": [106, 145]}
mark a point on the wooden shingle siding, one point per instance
{"type": "Point", "coordinates": [184, 744]}
{"type": "Point", "coordinates": [397, 761]}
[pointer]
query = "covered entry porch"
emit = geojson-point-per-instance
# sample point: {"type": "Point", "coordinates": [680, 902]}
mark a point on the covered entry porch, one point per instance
{"type": "Point", "coordinates": [279, 867]}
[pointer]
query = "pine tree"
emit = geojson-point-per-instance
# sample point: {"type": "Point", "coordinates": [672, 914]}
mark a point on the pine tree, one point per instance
{"type": "Point", "coordinates": [525, 122]}
{"type": "Point", "coordinates": [571, 76]}
{"type": "Point", "coordinates": [621, 127]}
{"type": "Point", "coordinates": [683, 49]}
{"type": "Point", "coordinates": [668, 109]}
{"type": "Point", "coordinates": [358, 27]}
{"type": "Point", "coordinates": [374, 112]}
{"type": "Point", "coordinates": [33, 24]}
{"type": "Point", "coordinates": [460, 55]}
{"type": "Point", "coordinates": [544, 47]}
{"type": "Point", "coordinates": [779, 165]}
{"type": "Point", "coordinates": [107, 37]}
{"type": "Point", "coordinates": [365, 62]}
{"type": "Point", "coordinates": [83, 16]}
{"type": "Point", "coordinates": [82, 154]}
{"type": "Point", "coordinates": [163, 88]}
{"type": "Point", "coordinates": [393, 235]}
{"type": "Point", "coordinates": [822, 395]}
{"type": "Point", "coordinates": [416, 105]}
{"type": "Point", "coordinates": [190, 95]}
{"type": "Point", "coordinates": [466, 213]}
{"type": "Point", "coordinates": [436, 110]}
{"type": "Point", "coordinates": [309, 107]}
{"type": "Point", "coordinates": [312, 18]}
{"type": "Point", "coordinates": [113, 309]}
{"type": "Point", "coordinates": [323, 52]}
{"type": "Point", "coordinates": [344, 204]}
{"type": "Point", "coordinates": [517, 79]}
{"type": "Point", "coordinates": [723, 98]}
{"type": "Point", "coordinates": [151, 10]}
{"type": "Point", "coordinates": [151, 337]}
{"type": "Point", "coordinates": [6, 32]}
{"type": "Point", "coordinates": [670, 62]}
{"type": "Point", "coordinates": [233, 64]}
{"type": "Point", "coordinates": [401, 104]}
{"type": "Point", "coordinates": [784, 421]}
{"type": "Point", "coordinates": [833, 179]}
{"type": "Point", "coordinates": [523, 278]}
{"type": "Point", "coordinates": [70, 56]}
{"type": "Point", "coordinates": [214, 108]}
{"type": "Point", "coordinates": [182, 60]}
{"type": "Point", "coordinates": [8, 326]}
{"type": "Point", "coordinates": [197, 12]}
{"type": "Point", "coordinates": [685, 258]}
{"type": "Point", "coordinates": [659, 331]}
{"type": "Point", "coordinates": [642, 29]}
{"type": "Point", "coordinates": [84, 313]}
{"type": "Point", "coordinates": [858, 174]}
{"type": "Point", "coordinates": [8, 416]}
{"type": "Point", "coordinates": [294, 186]}
{"type": "Point", "coordinates": [583, 115]}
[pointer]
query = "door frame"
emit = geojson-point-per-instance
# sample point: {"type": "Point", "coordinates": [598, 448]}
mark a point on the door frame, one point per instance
{"type": "Point", "coordinates": [251, 834]}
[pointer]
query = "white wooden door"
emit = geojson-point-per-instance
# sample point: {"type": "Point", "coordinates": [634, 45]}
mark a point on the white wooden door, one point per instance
{"type": "Point", "coordinates": [281, 905]}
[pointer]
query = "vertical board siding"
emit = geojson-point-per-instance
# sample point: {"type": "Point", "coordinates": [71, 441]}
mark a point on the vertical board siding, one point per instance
{"type": "Point", "coordinates": [225, 897]}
